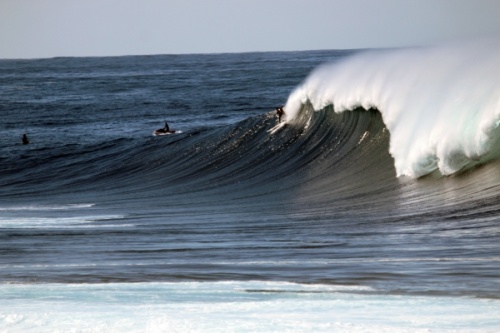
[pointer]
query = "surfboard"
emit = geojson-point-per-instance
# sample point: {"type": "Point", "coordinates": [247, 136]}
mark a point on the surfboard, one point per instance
{"type": "Point", "coordinates": [277, 128]}
{"type": "Point", "coordinates": [162, 132]}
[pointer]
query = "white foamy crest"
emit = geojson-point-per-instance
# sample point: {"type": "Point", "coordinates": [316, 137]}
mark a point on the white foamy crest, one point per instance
{"type": "Point", "coordinates": [441, 104]}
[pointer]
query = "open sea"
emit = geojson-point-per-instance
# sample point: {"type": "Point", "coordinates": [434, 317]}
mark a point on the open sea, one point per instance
{"type": "Point", "coordinates": [373, 207]}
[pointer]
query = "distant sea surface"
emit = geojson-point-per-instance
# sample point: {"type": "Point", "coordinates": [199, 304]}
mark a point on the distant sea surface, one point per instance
{"type": "Point", "coordinates": [233, 224]}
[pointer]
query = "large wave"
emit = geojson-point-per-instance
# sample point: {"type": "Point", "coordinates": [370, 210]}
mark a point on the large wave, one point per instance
{"type": "Point", "coordinates": [441, 104]}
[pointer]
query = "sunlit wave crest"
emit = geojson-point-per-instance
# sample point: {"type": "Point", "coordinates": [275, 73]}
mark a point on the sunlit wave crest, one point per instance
{"type": "Point", "coordinates": [441, 104]}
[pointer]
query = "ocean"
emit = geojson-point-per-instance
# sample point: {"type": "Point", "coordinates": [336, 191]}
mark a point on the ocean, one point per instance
{"type": "Point", "coordinates": [373, 207]}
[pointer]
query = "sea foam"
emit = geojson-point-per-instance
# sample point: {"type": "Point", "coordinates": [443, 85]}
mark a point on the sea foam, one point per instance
{"type": "Point", "coordinates": [235, 306]}
{"type": "Point", "coordinates": [441, 104]}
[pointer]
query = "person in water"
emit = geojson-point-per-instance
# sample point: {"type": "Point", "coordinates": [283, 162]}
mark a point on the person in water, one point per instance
{"type": "Point", "coordinates": [280, 112]}
{"type": "Point", "coordinates": [25, 139]}
{"type": "Point", "coordinates": [166, 128]}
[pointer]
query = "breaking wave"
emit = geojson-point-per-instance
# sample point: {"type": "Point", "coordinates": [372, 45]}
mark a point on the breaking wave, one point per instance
{"type": "Point", "coordinates": [441, 104]}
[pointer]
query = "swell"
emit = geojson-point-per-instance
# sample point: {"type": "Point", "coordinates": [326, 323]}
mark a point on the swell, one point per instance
{"type": "Point", "coordinates": [242, 161]}
{"type": "Point", "coordinates": [322, 164]}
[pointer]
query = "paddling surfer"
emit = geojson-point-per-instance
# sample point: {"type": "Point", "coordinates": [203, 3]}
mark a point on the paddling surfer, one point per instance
{"type": "Point", "coordinates": [164, 130]}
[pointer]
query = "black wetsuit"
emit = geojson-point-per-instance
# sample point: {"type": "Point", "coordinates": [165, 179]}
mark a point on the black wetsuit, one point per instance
{"type": "Point", "coordinates": [280, 113]}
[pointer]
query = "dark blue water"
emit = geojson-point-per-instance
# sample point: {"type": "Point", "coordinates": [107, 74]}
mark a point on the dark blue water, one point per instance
{"type": "Point", "coordinates": [96, 198]}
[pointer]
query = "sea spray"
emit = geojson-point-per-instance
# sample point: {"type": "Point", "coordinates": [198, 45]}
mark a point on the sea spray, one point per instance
{"type": "Point", "coordinates": [441, 104]}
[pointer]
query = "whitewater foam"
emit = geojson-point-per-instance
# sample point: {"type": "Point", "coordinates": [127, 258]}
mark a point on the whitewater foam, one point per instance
{"type": "Point", "coordinates": [230, 306]}
{"type": "Point", "coordinates": [441, 104]}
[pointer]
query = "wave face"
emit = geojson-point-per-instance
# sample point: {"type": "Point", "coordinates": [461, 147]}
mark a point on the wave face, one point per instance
{"type": "Point", "coordinates": [441, 104]}
{"type": "Point", "coordinates": [242, 163]}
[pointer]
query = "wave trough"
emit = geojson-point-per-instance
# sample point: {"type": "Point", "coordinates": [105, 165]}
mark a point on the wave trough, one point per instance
{"type": "Point", "coordinates": [441, 104]}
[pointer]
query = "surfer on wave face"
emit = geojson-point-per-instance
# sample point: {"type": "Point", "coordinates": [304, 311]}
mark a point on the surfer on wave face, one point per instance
{"type": "Point", "coordinates": [280, 112]}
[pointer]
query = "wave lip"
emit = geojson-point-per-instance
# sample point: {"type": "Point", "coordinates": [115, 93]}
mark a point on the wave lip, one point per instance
{"type": "Point", "coordinates": [441, 104]}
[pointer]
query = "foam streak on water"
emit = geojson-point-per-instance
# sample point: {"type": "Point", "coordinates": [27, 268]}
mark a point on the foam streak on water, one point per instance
{"type": "Point", "coordinates": [441, 104]}
{"type": "Point", "coordinates": [44, 207]}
